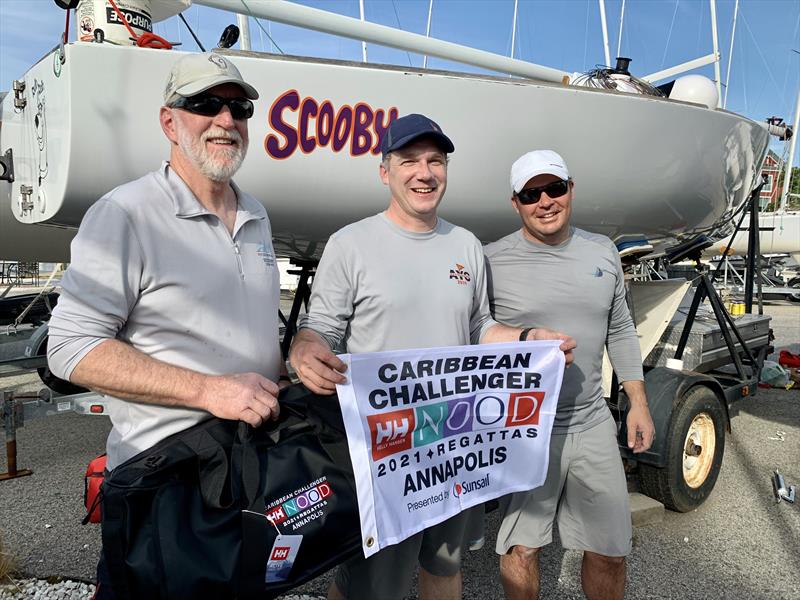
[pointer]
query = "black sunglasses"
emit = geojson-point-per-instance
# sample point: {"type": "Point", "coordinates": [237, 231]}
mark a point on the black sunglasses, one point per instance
{"type": "Point", "coordinates": [553, 190]}
{"type": "Point", "coordinates": [209, 105]}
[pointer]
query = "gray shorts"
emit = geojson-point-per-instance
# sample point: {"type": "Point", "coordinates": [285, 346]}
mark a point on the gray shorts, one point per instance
{"type": "Point", "coordinates": [585, 490]}
{"type": "Point", "coordinates": [389, 573]}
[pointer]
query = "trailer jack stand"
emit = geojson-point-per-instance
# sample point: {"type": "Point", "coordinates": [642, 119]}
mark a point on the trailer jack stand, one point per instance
{"type": "Point", "coordinates": [13, 418]}
{"type": "Point", "coordinates": [781, 490]}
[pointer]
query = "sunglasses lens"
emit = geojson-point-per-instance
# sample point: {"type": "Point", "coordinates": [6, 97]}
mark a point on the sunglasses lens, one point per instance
{"type": "Point", "coordinates": [553, 190]}
{"type": "Point", "coordinates": [557, 189]}
{"type": "Point", "coordinates": [530, 196]}
{"type": "Point", "coordinates": [209, 106]}
{"type": "Point", "coordinates": [240, 108]}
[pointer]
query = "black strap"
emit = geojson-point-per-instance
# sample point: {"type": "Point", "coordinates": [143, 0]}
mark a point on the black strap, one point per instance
{"type": "Point", "coordinates": [213, 469]}
{"type": "Point", "coordinates": [114, 536]}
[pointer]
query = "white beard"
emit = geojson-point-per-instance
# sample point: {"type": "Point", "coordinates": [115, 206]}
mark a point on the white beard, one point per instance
{"type": "Point", "coordinates": [222, 163]}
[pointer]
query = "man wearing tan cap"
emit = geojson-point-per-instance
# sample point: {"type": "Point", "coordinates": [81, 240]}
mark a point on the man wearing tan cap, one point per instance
{"type": "Point", "coordinates": [170, 303]}
{"type": "Point", "coordinates": [572, 280]}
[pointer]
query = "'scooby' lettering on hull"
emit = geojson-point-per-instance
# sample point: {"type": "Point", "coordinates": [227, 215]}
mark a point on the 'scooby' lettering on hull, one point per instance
{"type": "Point", "coordinates": [320, 124]}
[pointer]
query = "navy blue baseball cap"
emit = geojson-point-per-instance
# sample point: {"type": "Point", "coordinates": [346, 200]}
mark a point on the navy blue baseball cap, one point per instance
{"type": "Point", "coordinates": [409, 128]}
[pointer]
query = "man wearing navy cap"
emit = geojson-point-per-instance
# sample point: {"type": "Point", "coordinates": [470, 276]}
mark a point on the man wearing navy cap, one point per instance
{"type": "Point", "coordinates": [384, 284]}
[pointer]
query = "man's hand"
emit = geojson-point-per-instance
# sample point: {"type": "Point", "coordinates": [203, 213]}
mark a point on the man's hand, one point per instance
{"type": "Point", "coordinates": [567, 346]}
{"type": "Point", "coordinates": [317, 367]}
{"type": "Point", "coordinates": [247, 397]}
{"type": "Point", "coordinates": [641, 431]}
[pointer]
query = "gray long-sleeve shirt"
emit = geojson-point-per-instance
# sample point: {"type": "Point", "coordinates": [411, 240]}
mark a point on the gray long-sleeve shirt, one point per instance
{"type": "Point", "coordinates": [577, 288]}
{"type": "Point", "coordinates": [153, 268]}
{"type": "Point", "coordinates": [381, 287]}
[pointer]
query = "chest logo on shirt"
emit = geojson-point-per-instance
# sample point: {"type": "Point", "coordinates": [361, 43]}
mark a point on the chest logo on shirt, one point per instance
{"type": "Point", "coordinates": [265, 253]}
{"type": "Point", "coordinates": [598, 272]}
{"type": "Point", "coordinates": [460, 275]}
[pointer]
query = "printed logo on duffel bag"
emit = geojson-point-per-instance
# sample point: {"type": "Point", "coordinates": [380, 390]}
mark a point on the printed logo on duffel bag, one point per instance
{"type": "Point", "coordinates": [302, 506]}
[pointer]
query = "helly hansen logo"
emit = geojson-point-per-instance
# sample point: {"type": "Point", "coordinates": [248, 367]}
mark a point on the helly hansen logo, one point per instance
{"type": "Point", "coordinates": [391, 432]}
{"type": "Point", "coordinates": [280, 553]}
{"type": "Point", "coordinates": [460, 275]}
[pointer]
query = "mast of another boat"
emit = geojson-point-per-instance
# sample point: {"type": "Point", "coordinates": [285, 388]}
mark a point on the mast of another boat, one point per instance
{"type": "Point", "coordinates": [787, 176]}
{"type": "Point", "coordinates": [621, 22]}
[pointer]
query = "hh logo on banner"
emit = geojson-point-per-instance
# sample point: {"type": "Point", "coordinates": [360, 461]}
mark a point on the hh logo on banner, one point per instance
{"type": "Point", "coordinates": [401, 430]}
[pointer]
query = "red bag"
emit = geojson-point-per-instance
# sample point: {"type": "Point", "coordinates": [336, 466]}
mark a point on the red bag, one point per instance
{"type": "Point", "coordinates": [92, 498]}
{"type": "Point", "coordinates": [787, 359]}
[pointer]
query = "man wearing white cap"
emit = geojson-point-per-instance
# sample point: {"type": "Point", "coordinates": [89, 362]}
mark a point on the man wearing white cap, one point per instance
{"type": "Point", "coordinates": [550, 272]}
{"type": "Point", "coordinates": [170, 303]}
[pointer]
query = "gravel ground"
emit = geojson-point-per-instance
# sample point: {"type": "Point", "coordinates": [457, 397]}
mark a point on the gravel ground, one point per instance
{"type": "Point", "coordinates": [739, 544]}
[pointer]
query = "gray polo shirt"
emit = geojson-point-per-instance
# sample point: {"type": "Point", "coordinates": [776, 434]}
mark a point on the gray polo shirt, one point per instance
{"type": "Point", "coordinates": [153, 268]}
{"type": "Point", "coordinates": [381, 287]}
{"type": "Point", "coordinates": [577, 288]}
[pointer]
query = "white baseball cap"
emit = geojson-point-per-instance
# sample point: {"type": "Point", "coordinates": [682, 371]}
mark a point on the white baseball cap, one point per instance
{"type": "Point", "coordinates": [537, 162]}
{"type": "Point", "coordinates": [197, 73]}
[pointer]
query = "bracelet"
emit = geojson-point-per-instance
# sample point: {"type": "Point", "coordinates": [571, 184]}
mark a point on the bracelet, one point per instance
{"type": "Point", "coordinates": [523, 336]}
{"type": "Point", "coordinates": [284, 378]}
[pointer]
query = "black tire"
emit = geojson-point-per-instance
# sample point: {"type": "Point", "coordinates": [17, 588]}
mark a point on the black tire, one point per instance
{"type": "Point", "coordinates": [794, 283]}
{"type": "Point", "coordinates": [695, 445]}
{"type": "Point", "coordinates": [58, 385]}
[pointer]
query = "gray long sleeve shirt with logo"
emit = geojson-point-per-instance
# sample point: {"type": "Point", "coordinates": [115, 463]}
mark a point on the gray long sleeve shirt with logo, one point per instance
{"type": "Point", "coordinates": [381, 287]}
{"type": "Point", "coordinates": [577, 288]}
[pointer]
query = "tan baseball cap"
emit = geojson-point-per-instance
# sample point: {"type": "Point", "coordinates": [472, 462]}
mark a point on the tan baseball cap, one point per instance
{"type": "Point", "coordinates": [197, 73]}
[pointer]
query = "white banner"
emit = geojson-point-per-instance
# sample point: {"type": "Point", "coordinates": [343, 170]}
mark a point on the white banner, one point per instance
{"type": "Point", "coordinates": [435, 431]}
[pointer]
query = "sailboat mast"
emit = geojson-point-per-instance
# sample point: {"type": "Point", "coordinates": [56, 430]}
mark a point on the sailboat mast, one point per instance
{"type": "Point", "coordinates": [730, 53]}
{"type": "Point", "coordinates": [605, 31]}
{"type": "Point", "coordinates": [428, 32]}
{"type": "Point", "coordinates": [717, 76]}
{"type": "Point", "coordinates": [363, 43]}
{"type": "Point", "coordinates": [787, 176]}
{"type": "Point", "coordinates": [244, 31]}
{"type": "Point", "coordinates": [621, 21]}
{"type": "Point", "coordinates": [514, 28]}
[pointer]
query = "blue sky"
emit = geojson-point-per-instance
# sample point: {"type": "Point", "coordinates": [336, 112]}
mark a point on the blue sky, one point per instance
{"type": "Point", "coordinates": [565, 34]}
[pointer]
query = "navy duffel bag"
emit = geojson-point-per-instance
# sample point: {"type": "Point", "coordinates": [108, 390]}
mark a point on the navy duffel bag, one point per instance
{"type": "Point", "coordinates": [222, 510]}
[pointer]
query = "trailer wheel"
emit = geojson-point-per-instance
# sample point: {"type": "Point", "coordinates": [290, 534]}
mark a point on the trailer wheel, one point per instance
{"type": "Point", "coordinates": [794, 283]}
{"type": "Point", "coordinates": [58, 385]}
{"type": "Point", "coordinates": [694, 453]}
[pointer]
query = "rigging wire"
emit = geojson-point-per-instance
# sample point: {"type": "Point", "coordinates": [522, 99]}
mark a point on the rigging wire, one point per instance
{"type": "Point", "coordinates": [196, 40]}
{"type": "Point", "coordinates": [763, 59]}
{"type": "Point", "coordinates": [261, 27]}
{"type": "Point", "coordinates": [669, 35]}
{"type": "Point", "coordinates": [399, 26]}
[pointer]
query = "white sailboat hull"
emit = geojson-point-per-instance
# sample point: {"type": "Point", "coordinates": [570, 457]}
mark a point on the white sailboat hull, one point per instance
{"type": "Point", "coordinates": [644, 167]}
{"type": "Point", "coordinates": [779, 233]}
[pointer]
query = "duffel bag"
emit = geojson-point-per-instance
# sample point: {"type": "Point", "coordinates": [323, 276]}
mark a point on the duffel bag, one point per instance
{"type": "Point", "coordinates": [222, 510]}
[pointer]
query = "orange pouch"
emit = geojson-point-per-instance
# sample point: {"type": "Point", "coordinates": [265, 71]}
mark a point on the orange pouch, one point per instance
{"type": "Point", "coordinates": [92, 496]}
